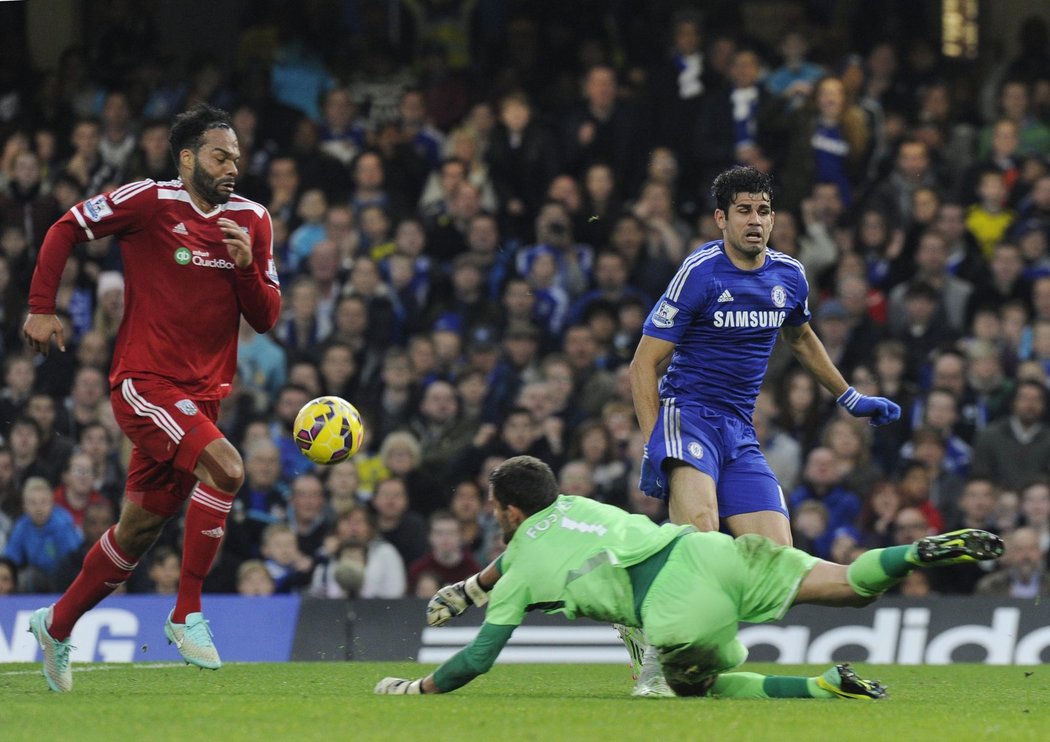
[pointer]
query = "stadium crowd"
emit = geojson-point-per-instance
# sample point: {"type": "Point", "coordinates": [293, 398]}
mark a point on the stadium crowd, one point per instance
{"type": "Point", "coordinates": [471, 227]}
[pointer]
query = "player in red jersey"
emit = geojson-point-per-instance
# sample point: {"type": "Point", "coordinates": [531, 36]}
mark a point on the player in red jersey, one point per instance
{"type": "Point", "coordinates": [196, 257]}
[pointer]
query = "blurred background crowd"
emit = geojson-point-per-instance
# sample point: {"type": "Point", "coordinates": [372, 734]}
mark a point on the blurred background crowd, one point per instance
{"type": "Point", "coordinates": [475, 205]}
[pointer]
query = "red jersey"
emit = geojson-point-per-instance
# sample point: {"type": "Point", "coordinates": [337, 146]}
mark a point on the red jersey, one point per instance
{"type": "Point", "coordinates": [183, 295]}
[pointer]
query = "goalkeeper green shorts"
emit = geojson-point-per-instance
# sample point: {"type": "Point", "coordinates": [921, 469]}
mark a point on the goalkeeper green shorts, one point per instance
{"type": "Point", "coordinates": [710, 583]}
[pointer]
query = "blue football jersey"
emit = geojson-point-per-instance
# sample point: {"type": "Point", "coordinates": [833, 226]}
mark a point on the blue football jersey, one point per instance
{"type": "Point", "coordinates": [724, 322]}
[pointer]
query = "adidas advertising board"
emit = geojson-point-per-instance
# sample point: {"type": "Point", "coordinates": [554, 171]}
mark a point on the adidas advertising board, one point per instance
{"type": "Point", "coordinates": [935, 632]}
{"type": "Point", "coordinates": [281, 628]}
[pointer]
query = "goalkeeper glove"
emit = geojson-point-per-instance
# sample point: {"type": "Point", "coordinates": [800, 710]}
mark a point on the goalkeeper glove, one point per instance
{"type": "Point", "coordinates": [452, 600]}
{"type": "Point", "coordinates": [879, 409]}
{"type": "Point", "coordinates": [399, 687]}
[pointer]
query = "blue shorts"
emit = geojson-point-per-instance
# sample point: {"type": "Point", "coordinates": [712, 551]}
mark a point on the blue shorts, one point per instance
{"type": "Point", "coordinates": [722, 447]}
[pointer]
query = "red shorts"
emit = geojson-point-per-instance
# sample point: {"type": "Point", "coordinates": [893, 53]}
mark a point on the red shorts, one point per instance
{"type": "Point", "coordinates": [168, 432]}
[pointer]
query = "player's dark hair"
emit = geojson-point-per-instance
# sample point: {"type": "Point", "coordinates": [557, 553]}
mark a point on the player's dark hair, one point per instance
{"type": "Point", "coordinates": [737, 180]}
{"type": "Point", "coordinates": [187, 132]}
{"type": "Point", "coordinates": [524, 482]}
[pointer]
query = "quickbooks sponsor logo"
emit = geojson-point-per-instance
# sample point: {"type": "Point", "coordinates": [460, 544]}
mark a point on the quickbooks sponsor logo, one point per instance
{"type": "Point", "coordinates": [184, 256]}
{"type": "Point", "coordinates": [212, 263]}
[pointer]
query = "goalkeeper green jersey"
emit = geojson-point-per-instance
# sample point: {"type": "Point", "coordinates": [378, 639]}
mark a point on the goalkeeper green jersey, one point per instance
{"type": "Point", "coordinates": [572, 558]}
{"type": "Point", "coordinates": [577, 557]}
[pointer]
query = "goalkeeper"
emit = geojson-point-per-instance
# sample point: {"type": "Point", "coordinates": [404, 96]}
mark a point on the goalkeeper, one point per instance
{"type": "Point", "coordinates": [687, 589]}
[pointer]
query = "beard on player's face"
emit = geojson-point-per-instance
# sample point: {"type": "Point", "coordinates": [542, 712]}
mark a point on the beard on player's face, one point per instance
{"type": "Point", "coordinates": [746, 238]}
{"type": "Point", "coordinates": [503, 518]}
{"type": "Point", "coordinates": [207, 187]}
{"type": "Point", "coordinates": [748, 248]}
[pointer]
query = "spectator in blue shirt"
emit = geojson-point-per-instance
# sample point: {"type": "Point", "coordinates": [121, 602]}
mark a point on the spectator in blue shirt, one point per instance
{"type": "Point", "coordinates": [795, 78]}
{"type": "Point", "coordinates": [42, 536]}
{"type": "Point", "coordinates": [821, 482]}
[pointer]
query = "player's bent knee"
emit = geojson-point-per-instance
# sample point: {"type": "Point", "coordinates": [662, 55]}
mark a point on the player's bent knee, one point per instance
{"type": "Point", "coordinates": [230, 476]}
{"type": "Point", "coordinates": [222, 466]}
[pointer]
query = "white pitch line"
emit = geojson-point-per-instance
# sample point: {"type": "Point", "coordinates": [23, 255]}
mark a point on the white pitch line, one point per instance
{"type": "Point", "coordinates": [99, 668]}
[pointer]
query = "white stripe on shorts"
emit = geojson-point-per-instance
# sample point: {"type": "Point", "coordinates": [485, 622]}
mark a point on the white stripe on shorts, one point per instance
{"type": "Point", "coordinates": [157, 414]}
{"type": "Point", "coordinates": [672, 429]}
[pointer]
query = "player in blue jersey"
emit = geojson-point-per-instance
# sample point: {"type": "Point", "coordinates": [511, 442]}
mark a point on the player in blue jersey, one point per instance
{"type": "Point", "coordinates": [718, 321]}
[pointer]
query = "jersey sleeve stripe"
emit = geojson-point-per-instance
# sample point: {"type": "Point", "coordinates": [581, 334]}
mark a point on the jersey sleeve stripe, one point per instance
{"type": "Point", "coordinates": [83, 225]}
{"type": "Point", "coordinates": [782, 258]}
{"type": "Point", "coordinates": [130, 191]}
{"type": "Point", "coordinates": [130, 186]}
{"type": "Point", "coordinates": [272, 279]}
{"type": "Point", "coordinates": [674, 290]}
{"type": "Point", "coordinates": [787, 259]}
{"type": "Point", "coordinates": [245, 205]}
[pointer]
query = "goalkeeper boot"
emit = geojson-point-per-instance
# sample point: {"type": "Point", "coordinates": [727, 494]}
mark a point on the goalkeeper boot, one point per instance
{"type": "Point", "coordinates": [651, 682]}
{"type": "Point", "coordinates": [634, 639]}
{"type": "Point", "coordinates": [57, 673]}
{"type": "Point", "coordinates": [193, 639]}
{"type": "Point", "coordinates": [958, 547]}
{"type": "Point", "coordinates": [844, 683]}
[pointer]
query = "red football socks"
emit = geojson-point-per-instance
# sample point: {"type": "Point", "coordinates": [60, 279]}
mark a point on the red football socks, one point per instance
{"type": "Point", "coordinates": [106, 567]}
{"type": "Point", "coordinates": [205, 518]}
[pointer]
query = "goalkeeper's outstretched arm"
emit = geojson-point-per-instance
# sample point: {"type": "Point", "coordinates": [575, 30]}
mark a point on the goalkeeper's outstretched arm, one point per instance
{"type": "Point", "coordinates": [468, 663]}
{"type": "Point", "coordinates": [453, 600]}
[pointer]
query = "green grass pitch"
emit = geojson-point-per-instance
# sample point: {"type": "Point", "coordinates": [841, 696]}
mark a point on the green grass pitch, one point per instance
{"type": "Point", "coordinates": [334, 701]}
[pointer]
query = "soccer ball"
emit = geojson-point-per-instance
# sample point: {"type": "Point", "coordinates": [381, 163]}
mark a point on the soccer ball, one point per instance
{"type": "Point", "coordinates": [328, 430]}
